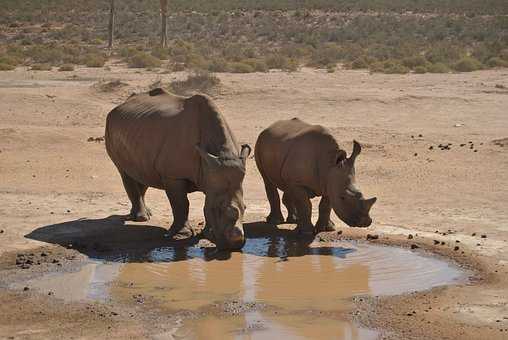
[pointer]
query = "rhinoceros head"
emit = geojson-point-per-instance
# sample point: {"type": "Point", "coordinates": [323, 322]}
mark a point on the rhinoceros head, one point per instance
{"type": "Point", "coordinates": [224, 206]}
{"type": "Point", "coordinates": [346, 199]}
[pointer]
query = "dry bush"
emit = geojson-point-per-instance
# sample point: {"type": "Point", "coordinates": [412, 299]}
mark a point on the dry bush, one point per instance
{"type": "Point", "coordinates": [66, 68]}
{"type": "Point", "coordinates": [109, 85]}
{"type": "Point", "coordinates": [200, 81]}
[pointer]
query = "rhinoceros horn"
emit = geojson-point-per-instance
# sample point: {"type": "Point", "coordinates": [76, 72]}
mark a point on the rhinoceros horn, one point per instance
{"type": "Point", "coordinates": [211, 160]}
{"type": "Point", "coordinates": [357, 148]}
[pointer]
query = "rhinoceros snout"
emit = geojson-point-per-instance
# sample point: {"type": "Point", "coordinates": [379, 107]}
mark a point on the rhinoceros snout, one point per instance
{"type": "Point", "coordinates": [234, 238]}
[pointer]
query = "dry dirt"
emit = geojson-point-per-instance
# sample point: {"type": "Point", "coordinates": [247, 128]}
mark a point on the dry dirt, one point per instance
{"type": "Point", "coordinates": [452, 201]}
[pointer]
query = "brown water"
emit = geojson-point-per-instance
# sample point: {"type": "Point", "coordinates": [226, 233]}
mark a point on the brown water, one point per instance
{"type": "Point", "coordinates": [301, 286]}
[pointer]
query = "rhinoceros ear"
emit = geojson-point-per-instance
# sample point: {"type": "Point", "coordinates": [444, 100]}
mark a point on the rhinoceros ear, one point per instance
{"type": "Point", "coordinates": [356, 151]}
{"type": "Point", "coordinates": [210, 159]}
{"type": "Point", "coordinates": [340, 157]}
{"type": "Point", "coordinates": [245, 152]}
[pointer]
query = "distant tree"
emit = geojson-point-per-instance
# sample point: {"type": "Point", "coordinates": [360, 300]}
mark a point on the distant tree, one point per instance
{"type": "Point", "coordinates": [164, 23]}
{"type": "Point", "coordinates": [111, 29]}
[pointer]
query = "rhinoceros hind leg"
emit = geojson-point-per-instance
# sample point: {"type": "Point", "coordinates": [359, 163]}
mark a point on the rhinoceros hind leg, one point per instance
{"type": "Point", "coordinates": [324, 223]}
{"type": "Point", "coordinates": [304, 209]}
{"type": "Point", "coordinates": [136, 192]}
{"type": "Point", "coordinates": [176, 190]}
{"type": "Point", "coordinates": [290, 206]}
{"type": "Point", "coordinates": [275, 217]}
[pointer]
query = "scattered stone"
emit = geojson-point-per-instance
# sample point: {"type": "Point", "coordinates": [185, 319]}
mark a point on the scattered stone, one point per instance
{"type": "Point", "coordinates": [442, 243]}
{"type": "Point", "coordinates": [372, 237]}
{"type": "Point", "coordinates": [431, 147]}
{"type": "Point", "coordinates": [457, 241]}
{"type": "Point", "coordinates": [414, 246]}
{"type": "Point", "coordinates": [410, 237]}
{"type": "Point", "coordinates": [462, 145]}
{"type": "Point", "coordinates": [44, 254]}
{"type": "Point", "coordinates": [95, 139]}
{"type": "Point", "coordinates": [483, 236]}
{"type": "Point", "coordinates": [416, 154]}
{"type": "Point", "coordinates": [436, 242]}
{"type": "Point", "coordinates": [473, 234]}
{"type": "Point", "coordinates": [500, 86]}
{"type": "Point", "coordinates": [456, 248]}
{"type": "Point", "coordinates": [1, 231]}
{"type": "Point", "coordinates": [420, 135]}
{"type": "Point", "coordinates": [26, 289]}
{"type": "Point", "coordinates": [412, 136]}
{"type": "Point", "coordinates": [50, 293]}
{"type": "Point", "coordinates": [476, 151]}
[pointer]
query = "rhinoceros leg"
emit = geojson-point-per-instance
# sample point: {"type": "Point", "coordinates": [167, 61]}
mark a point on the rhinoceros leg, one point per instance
{"type": "Point", "coordinates": [324, 223]}
{"type": "Point", "coordinates": [136, 192]}
{"type": "Point", "coordinates": [304, 210]}
{"type": "Point", "coordinates": [176, 191]}
{"type": "Point", "coordinates": [290, 206]}
{"type": "Point", "coordinates": [275, 217]}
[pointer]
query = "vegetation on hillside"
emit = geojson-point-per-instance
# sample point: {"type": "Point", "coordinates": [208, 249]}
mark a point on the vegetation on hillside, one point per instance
{"type": "Point", "coordinates": [255, 36]}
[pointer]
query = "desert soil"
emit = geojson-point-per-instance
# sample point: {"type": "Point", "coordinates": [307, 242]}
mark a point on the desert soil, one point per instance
{"type": "Point", "coordinates": [452, 201]}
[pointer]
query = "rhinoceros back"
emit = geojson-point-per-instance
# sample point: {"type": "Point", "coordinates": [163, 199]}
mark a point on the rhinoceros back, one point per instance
{"type": "Point", "coordinates": [152, 136]}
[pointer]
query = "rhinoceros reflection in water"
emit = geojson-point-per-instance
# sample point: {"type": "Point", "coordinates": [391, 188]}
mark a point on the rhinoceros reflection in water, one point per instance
{"type": "Point", "coordinates": [279, 274]}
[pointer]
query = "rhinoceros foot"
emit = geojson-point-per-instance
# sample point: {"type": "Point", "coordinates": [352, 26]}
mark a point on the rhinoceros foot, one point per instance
{"type": "Point", "coordinates": [275, 219]}
{"type": "Point", "coordinates": [325, 226]}
{"type": "Point", "coordinates": [179, 233]}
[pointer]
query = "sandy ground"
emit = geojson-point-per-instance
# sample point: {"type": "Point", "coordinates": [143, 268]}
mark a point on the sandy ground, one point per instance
{"type": "Point", "coordinates": [50, 174]}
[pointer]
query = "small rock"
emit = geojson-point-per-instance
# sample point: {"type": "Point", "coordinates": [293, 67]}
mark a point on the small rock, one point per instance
{"type": "Point", "coordinates": [420, 135]}
{"type": "Point", "coordinates": [44, 254]}
{"type": "Point", "coordinates": [462, 145]}
{"type": "Point", "coordinates": [414, 246]}
{"type": "Point", "coordinates": [476, 151]}
{"type": "Point", "coordinates": [372, 237]}
{"type": "Point", "coordinates": [483, 236]}
{"type": "Point", "coordinates": [50, 293]}
{"type": "Point", "coordinates": [410, 237]}
{"type": "Point", "coordinates": [457, 241]}
{"type": "Point", "coordinates": [473, 234]}
{"type": "Point", "coordinates": [1, 231]}
{"type": "Point", "coordinates": [456, 248]}
{"type": "Point", "coordinates": [442, 243]}
{"type": "Point", "coordinates": [25, 289]}
{"type": "Point", "coordinates": [416, 154]}
{"type": "Point", "coordinates": [339, 232]}
{"type": "Point", "coordinates": [431, 147]}
{"type": "Point", "coordinates": [436, 242]}
{"type": "Point", "coordinates": [412, 136]}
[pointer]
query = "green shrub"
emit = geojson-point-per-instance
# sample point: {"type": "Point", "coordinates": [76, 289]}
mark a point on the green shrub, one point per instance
{"type": "Point", "coordinates": [41, 67]}
{"type": "Point", "coordinates": [438, 68]}
{"type": "Point", "coordinates": [389, 67]}
{"type": "Point", "coordinates": [6, 67]}
{"type": "Point", "coordinates": [94, 60]}
{"type": "Point", "coordinates": [239, 67]}
{"type": "Point", "coordinates": [66, 68]}
{"type": "Point", "coordinates": [420, 69]}
{"type": "Point", "coordinates": [277, 61]}
{"type": "Point", "coordinates": [414, 61]}
{"type": "Point", "coordinates": [497, 62]}
{"type": "Point", "coordinates": [10, 60]}
{"type": "Point", "coordinates": [467, 64]}
{"type": "Point", "coordinates": [331, 68]}
{"type": "Point", "coordinates": [160, 53]}
{"type": "Point", "coordinates": [359, 63]}
{"type": "Point", "coordinates": [200, 81]}
{"type": "Point", "coordinates": [258, 65]}
{"type": "Point", "coordinates": [218, 65]}
{"type": "Point", "coordinates": [143, 60]}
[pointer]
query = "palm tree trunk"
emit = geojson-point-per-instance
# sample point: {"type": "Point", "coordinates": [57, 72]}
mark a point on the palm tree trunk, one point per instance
{"type": "Point", "coordinates": [111, 29]}
{"type": "Point", "coordinates": [164, 23]}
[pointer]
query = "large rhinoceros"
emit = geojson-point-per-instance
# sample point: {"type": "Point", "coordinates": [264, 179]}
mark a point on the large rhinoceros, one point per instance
{"type": "Point", "coordinates": [305, 161]}
{"type": "Point", "coordinates": [180, 145]}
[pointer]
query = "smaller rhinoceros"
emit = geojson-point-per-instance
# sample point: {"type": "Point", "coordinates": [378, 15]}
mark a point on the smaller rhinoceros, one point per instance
{"type": "Point", "coordinates": [305, 161]}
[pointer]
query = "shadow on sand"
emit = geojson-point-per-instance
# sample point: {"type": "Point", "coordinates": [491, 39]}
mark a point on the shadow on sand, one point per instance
{"type": "Point", "coordinates": [113, 239]}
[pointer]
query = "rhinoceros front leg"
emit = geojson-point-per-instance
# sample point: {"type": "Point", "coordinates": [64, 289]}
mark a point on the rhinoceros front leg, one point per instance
{"type": "Point", "coordinates": [290, 206]}
{"type": "Point", "coordinates": [176, 190]}
{"type": "Point", "coordinates": [304, 210]}
{"type": "Point", "coordinates": [275, 217]}
{"type": "Point", "coordinates": [136, 192]}
{"type": "Point", "coordinates": [324, 223]}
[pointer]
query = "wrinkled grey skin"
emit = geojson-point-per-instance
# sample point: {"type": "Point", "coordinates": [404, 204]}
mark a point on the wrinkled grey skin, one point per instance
{"type": "Point", "coordinates": [305, 161]}
{"type": "Point", "coordinates": [180, 145]}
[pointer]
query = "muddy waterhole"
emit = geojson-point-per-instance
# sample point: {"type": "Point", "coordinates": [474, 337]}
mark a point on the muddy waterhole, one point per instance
{"type": "Point", "coordinates": [275, 287]}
